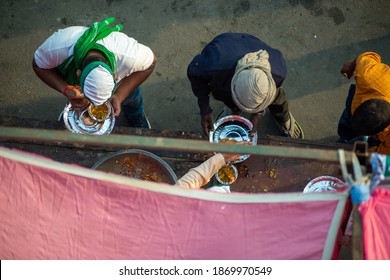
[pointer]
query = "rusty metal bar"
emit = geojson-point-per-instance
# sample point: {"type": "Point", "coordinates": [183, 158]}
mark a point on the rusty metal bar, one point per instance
{"type": "Point", "coordinates": [357, 234]}
{"type": "Point", "coordinates": [160, 143]}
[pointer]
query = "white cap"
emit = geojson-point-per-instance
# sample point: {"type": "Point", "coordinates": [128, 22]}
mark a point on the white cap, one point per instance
{"type": "Point", "coordinates": [98, 85]}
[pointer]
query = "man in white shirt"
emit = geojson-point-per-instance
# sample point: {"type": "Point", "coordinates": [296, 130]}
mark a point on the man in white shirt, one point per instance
{"type": "Point", "coordinates": [99, 63]}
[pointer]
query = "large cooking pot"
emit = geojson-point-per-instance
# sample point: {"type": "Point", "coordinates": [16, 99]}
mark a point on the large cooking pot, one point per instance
{"type": "Point", "coordinates": [137, 164]}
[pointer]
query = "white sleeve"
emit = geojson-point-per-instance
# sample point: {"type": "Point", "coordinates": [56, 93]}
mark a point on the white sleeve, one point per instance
{"type": "Point", "coordinates": [130, 56]}
{"type": "Point", "coordinates": [58, 47]}
{"type": "Point", "coordinates": [201, 175]}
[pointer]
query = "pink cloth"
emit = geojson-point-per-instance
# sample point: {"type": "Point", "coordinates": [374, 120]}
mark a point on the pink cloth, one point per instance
{"type": "Point", "coordinates": [49, 214]}
{"type": "Point", "coordinates": [376, 225]}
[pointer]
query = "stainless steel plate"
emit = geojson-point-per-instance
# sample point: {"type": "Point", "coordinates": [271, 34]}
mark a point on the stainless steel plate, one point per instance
{"type": "Point", "coordinates": [233, 127]}
{"type": "Point", "coordinates": [324, 184]}
{"type": "Point", "coordinates": [78, 121]}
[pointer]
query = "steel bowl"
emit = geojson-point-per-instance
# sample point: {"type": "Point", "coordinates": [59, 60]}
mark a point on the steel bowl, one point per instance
{"type": "Point", "coordinates": [233, 127]}
{"type": "Point", "coordinates": [219, 179]}
{"type": "Point", "coordinates": [137, 164]}
{"type": "Point", "coordinates": [109, 111]}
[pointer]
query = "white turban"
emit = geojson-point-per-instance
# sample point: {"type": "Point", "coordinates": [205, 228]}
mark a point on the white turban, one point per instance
{"type": "Point", "coordinates": [97, 83]}
{"type": "Point", "coordinates": [253, 88]}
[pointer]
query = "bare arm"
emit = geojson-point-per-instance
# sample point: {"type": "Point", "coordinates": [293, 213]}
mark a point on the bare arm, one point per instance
{"type": "Point", "coordinates": [128, 84]}
{"type": "Point", "coordinates": [50, 77]}
{"type": "Point", "coordinates": [348, 68]}
{"type": "Point", "coordinates": [255, 119]}
{"type": "Point", "coordinates": [53, 79]}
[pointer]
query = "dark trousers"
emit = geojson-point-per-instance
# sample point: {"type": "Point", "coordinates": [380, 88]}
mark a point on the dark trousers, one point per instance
{"type": "Point", "coordinates": [133, 108]}
{"type": "Point", "coordinates": [279, 108]}
{"type": "Point", "coordinates": [133, 104]}
{"type": "Point", "coordinates": [344, 129]}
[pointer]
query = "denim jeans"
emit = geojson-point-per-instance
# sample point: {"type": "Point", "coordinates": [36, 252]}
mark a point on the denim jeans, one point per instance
{"type": "Point", "coordinates": [133, 108]}
{"type": "Point", "coordinates": [344, 129]}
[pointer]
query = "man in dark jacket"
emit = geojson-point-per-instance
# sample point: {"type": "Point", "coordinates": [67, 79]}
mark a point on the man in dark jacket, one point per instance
{"type": "Point", "coordinates": [247, 76]}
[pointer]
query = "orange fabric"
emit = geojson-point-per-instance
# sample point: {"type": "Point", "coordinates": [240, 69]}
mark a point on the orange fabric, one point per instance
{"type": "Point", "coordinates": [372, 79]}
{"type": "Point", "coordinates": [384, 138]}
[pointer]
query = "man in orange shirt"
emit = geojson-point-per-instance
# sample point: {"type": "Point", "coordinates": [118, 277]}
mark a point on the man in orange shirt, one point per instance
{"type": "Point", "coordinates": [367, 111]}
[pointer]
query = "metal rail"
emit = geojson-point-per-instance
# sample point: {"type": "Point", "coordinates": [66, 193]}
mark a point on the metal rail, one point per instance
{"type": "Point", "coordinates": [171, 144]}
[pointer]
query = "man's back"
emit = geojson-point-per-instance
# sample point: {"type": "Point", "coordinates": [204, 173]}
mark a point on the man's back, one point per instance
{"type": "Point", "coordinates": [218, 59]}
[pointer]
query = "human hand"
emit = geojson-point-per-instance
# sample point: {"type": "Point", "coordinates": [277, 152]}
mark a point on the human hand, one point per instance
{"type": "Point", "coordinates": [75, 97]}
{"type": "Point", "coordinates": [348, 68]}
{"type": "Point", "coordinates": [233, 157]}
{"type": "Point", "coordinates": [207, 122]}
{"type": "Point", "coordinates": [116, 105]}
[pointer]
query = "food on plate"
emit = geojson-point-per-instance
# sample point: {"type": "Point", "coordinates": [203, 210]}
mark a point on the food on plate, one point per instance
{"type": "Point", "coordinates": [133, 168]}
{"type": "Point", "coordinates": [227, 174]}
{"type": "Point", "coordinates": [99, 112]}
{"type": "Point", "coordinates": [232, 141]}
{"type": "Point", "coordinates": [228, 141]}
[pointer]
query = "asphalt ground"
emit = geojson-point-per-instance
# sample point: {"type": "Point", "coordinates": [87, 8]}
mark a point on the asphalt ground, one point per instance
{"type": "Point", "coordinates": [316, 38]}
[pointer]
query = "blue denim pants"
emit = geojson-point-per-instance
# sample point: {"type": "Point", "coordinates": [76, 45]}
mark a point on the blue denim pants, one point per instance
{"type": "Point", "coordinates": [344, 130]}
{"type": "Point", "coordinates": [133, 108]}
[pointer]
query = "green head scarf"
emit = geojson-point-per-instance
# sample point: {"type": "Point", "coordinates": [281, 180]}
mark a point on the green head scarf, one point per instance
{"type": "Point", "coordinates": [85, 43]}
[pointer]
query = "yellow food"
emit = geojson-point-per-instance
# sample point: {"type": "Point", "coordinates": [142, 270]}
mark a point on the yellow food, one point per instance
{"type": "Point", "coordinates": [272, 173]}
{"type": "Point", "coordinates": [226, 174]}
{"type": "Point", "coordinates": [227, 141]}
{"type": "Point", "coordinates": [99, 112]}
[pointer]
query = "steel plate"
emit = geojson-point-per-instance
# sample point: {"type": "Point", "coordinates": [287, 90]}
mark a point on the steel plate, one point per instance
{"type": "Point", "coordinates": [79, 121]}
{"type": "Point", "coordinates": [233, 127]}
{"type": "Point", "coordinates": [324, 184]}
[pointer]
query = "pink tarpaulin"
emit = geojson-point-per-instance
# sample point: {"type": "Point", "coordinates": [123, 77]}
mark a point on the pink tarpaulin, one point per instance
{"type": "Point", "coordinates": [376, 225]}
{"type": "Point", "coordinates": [50, 210]}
